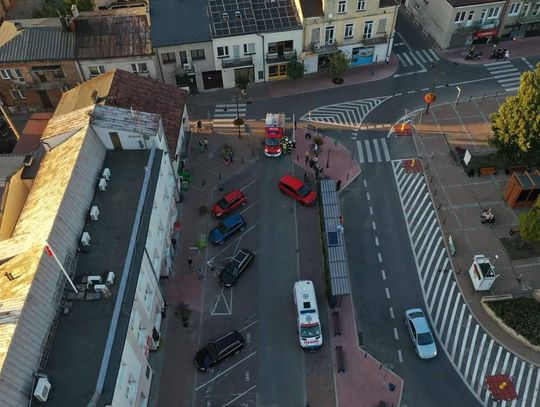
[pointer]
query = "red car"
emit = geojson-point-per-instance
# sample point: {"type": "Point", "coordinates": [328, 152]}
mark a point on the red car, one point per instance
{"type": "Point", "coordinates": [229, 203]}
{"type": "Point", "coordinates": [297, 189]}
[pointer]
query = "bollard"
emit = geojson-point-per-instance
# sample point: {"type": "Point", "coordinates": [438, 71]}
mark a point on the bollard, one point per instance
{"type": "Point", "coordinates": [444, 221]}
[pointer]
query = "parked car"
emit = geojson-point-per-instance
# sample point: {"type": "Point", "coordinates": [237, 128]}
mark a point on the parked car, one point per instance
{"type": "Point", "coordinates": [227, 227]}
{"type": "Point", "coordinates": [421, 336]}
{"type": "Point", "coordinates": [234, 268]}
{"type": "Point", "coordinates": [229, 203]}
{"type": "Point", "coordinates": [220, 349]}
{"type": "Point", "coordinates": [296, 189]}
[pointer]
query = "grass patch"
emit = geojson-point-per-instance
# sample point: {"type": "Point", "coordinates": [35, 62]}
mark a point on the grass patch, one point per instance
{"type": "Point", "coordinates": [519, 250]}
{"type": "Point", "coordinates": [521, 315]}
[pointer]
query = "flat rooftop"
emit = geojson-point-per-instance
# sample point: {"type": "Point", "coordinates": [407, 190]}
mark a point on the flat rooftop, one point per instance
{"type": "Point", "coordinates": [79, 344]}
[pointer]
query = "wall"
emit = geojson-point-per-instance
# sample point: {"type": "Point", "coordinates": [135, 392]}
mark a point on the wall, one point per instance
{"type": "Point", "coordinates": [17, 193]}
{"type": "Point", "coordinates": [131, 368]}
{"type": "Point", "coordinates": [208, 64]}
{"type": "Point", "coordinates": [110, 64]}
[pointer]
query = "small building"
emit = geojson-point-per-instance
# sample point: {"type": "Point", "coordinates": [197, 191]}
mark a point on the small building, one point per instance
{"type": "Point", "coordinates": [254, 42]}
{"type": "Point", "coordinates": [363, 30]}
{"type": "Point", "coordinates": [37, 63]}
{"type": "Point", "coordinates": [114, 38]}
{"type": "Point", "coordinates": [183, 44]}
{"type": "Point", "coordinates": [522, 190]}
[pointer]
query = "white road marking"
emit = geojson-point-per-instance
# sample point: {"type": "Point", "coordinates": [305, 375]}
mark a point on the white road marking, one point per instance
{"type": "Point", "coordinates": [383, 273]}
{"type": "Point", "coordinates": [396, 336]}
{"type": "Point", "coordinates": [239, 396]}
{"type": "Point", "coordinates": [387, 293]}
{"type": "Point", "coordinates": [225, 371]}
{"type": "Point", "coordinates": [379, 257]}
{"type": "Point", "coordinates": [371, 210]}
{"type": "Point", "coordinates": [376, 241]}
{"type": "Point", "coordinates": [400, 356]}
{"type": "Point", "coordinates": [464, 341]}
{"type": "Point", "coordinates": [473, 343]}
{"type": "Point", "coordinates": [368, 197]}
{"type": "Point", "coordinates": [458, 330]}
{"type": "Point", "coordinates": [373, 225]}
{"type": "Point", "coordinates": [391, 310]}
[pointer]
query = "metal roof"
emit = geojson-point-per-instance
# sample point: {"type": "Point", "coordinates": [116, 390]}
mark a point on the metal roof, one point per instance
{"type": "Point", "coordinates": [335, 244]}
{"type": "Point", "coordinates": [35, 43]}
{"type": "Point", "coordinates": [237, 17]}
{"type": "Point", "coordinates": [177, 22]}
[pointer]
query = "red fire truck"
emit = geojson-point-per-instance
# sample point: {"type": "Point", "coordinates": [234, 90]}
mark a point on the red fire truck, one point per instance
{"type": "Point", "coordinates": [274, 130]}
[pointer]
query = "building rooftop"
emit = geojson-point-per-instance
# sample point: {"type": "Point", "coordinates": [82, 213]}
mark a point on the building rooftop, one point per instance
{"type": "Point", "coordinates": [311, 8]}
{"type": "Point", "coordinates": [238, 17]}
{"type": "Point", "coordinates": [129, 91]}
{"type": "Point", "coordinates": [76, 358]}
{"type": "Point", "coordinates": [41, 39]}
{"type": "Point", "coordinates": [31, 135]}
{"type": "Point", "coordinates": [113, 33]}
{"type": "Point", "coordinates": [462, 3]}
{"type": "Point", "coordinates": [177, 22]}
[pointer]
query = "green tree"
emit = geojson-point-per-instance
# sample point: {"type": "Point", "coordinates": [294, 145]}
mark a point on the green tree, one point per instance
{"type": "Point", "coordinates": [295, 69]}
{"type": "Point", "coordinates": [54, 8]}
{"type": "Point", "coordinates": [516, 125]}
{"type": "Point", "coordinates": [529, 224]}
{"type": "Point", "coordinates": [339, 63]}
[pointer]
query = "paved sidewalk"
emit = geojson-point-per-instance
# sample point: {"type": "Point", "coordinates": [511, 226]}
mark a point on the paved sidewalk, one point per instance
{"type": "Point", "coordinates": [460, 200]}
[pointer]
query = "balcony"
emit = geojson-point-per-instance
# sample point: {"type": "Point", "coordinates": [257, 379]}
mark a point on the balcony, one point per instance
{"type": "Point", "coordinates": [185, 69]}
{"type": "Point", "coordinates": [529, 18]}
{"type": "Point", "coordinates": [237, 62]}
{"type": "Point", "coordinates": [272, 58]}
{"type": "Point", "coordinates": [321, 48]}
{"type": "Point", "coordinates": [375, 39]}
{"type": "Point", "coordinates": [38, 85]}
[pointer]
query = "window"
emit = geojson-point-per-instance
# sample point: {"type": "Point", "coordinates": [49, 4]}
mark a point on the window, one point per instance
{"type": "Point", "coordinates": [58, 73]}
{"type": "Point", "coordinates": [139, 68]}
{"type": "Point", "coordinates": [131, 388]}
{"type": "Point", "coordinates": [494, 12]}
{"type": "Point", "coordinates": [260, 75]}
{"type": "Point", "coordinates": [382, 25]}
{"type": "Point", "coordinates": [197, 54]}
{"type": "Point", "coordinates": [361, 5]}
{"type": "Point", "coordinates": [249, 49]}
{"type": "Point", "coordinates": [483, 14]}
{"type": "Point", "coordinates": [96, 70]}
{"type": "Point", "coordinates": [143, 400]}
{"type": "Point", "coordinates": [17, 94]}
{"type": "Point", "coordinates": [168, 58]}
{"type": "Point", "coordinates": [514, 9]}
{"type": "Point", "coordinates": [348, 31]}
{"type": "Point", "coordinates": [460, 16]}
{"type": "Point", "coordinates": [470, 16]}
{"type": "Point", "coordinates": [536, 9]}
{"type": "Point", "coordinates": [19, 76]}
{"type": "Point", "coordinates": [223, 52]}
{"type": "Point", "coordinates": [342, 6]}
{"type": "Point", "coordinates": [329, 36]}
{"type": "Point", "coordinates": [368, 29]}
{"type": "Point", "coordinates": [183, 57]}
{"type": "Point", "coordinates": [5, 73]}
{"type": "Point", "coordinates": [526, 9]}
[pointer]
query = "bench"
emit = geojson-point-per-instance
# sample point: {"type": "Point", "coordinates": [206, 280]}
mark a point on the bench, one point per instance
{"type": "Point", "coordinates": [337, 325]}
{"type": "Point", "coordinates": [340, 359]}
{"type": "Point", "coordinates": [487, 170]}
{"type": "Point", "coordinates": [515, 168]}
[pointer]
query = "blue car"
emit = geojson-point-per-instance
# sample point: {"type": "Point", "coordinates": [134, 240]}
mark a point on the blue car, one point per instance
{"type": "Point", "coordinates": [226, 228]}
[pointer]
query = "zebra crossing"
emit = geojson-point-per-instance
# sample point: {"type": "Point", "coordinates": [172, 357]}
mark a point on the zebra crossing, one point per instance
{"type": "Point", "coordinates": [346, 114]}
{"type": "Point", "coordinates": [225, 113]}
{"type": "Point", "coordinates": [505, 73]}
{"type": "Point", "coordinates": [367, 154]}
{"type": "Point", "coordinates": [417, 57]}
{"type": "Point", "coordinates": [473, 353]}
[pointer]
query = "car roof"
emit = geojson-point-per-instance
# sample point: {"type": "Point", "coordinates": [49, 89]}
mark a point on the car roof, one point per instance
{"type": "Point", "coordinates": [291, 181]}
{"type": "Point", "coordinates": [233, 194]}
{"type": "Point", "coordinates": [229, 338]}
{"type": "Point", "coordinates": [233, 219]}
{"type": "Point", "coordinates": [419, 320]}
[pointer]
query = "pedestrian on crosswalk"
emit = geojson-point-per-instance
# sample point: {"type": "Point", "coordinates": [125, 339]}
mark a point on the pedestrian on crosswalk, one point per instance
{"type": "Point", "coordinates": [205, 143]}
{"type": "Point", "coordinates": [506, 54]}
{"type": "Point", "coordinates": [199, 126]}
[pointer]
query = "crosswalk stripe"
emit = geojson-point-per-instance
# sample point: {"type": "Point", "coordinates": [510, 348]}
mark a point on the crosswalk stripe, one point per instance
{"type": "Point", "coordinates": [377, 152]}
{"type": "Point", "coordinates": [499, 72]}
{"type": "Point", "coordinates": [406, 56]}
{"type": "Point", "coordinates": [514, 79]}
{"type": "Point", "coordinates": [420, 56]}
{"type": "Point", "coordinates": [368, 151]}
{"type": "Point", "coordinates": [433, 54]}
{"type": "Point", "coordinates": [385, 150]}
{"type": "Point", "coordinates": [536, 387]}
{"type": "Point", "coordinates": [400, 59]}
{"type": "Point", "coordinates": [360, 152]}
{"type": "Point", "coordinates": [528, 382]}
{"type": "Point", "coordinates": [413, 56]}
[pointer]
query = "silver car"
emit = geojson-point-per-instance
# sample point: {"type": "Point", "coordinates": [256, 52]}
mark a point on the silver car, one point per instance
{"type": "Point", "coordinates": [421, 336]}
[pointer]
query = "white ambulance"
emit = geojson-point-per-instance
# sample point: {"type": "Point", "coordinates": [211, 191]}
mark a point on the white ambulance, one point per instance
{"type": "Point", "coordinates": [307, 315]}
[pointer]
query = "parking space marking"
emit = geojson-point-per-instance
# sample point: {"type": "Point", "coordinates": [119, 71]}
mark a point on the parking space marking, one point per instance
{"type": "Point", "coordinates": [225, 371]}
{"type": "Point", "coordinates": [220, 298]}
{"type": "Point", "coordinates": [249, 184]}
{"type": "Point", "coordinates": [365, 183]}
{"type": "Point", "coordinates": [248, 326]}
{"type": "Point", "coordinates": [239, 396]}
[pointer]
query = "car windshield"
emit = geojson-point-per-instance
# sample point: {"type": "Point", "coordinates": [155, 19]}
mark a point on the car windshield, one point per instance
{"type": "Point", "coordinates": [212, 351]}
{"type": "Point", "coordinates": [309, 331]}
{"type": "Point", "coordinates": [425, 339]}
{"type": "Point", "coordinates": [223, 229]}
{"type": "Point", "coordinates": [223, 203]}
{"type": "Point", "coordinates": [272, 141]}
{"type": "Point", "coordinates": [303, 190]}
{"type": "Point", "coordinates": [230, 270]}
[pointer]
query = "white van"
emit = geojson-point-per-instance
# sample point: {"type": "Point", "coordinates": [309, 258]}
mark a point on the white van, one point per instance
{"type": "Point", "coordinates": [307, 315]}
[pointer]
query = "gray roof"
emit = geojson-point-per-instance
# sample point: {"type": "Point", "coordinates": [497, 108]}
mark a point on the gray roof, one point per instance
{"type": "Point", "coordinates": [79, 343]}
{"type": "Point", "coordinates": [177, 22]}
{"type": "Point", "coordinates": [335, 244]}
{"type": "Point", "coordinates": [35, 43]}
{"type": "Point", "coordinates": [238, 17]}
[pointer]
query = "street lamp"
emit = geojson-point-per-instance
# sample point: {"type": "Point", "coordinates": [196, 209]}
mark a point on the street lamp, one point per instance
{"type": "Point", "coordinates": [430, 97]}
{"type": "Point", "coordinates": [237, 114]}
{"type": "Point", "coordinates": [393, 33]}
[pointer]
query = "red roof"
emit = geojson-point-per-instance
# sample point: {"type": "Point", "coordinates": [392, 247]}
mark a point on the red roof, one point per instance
{"type": "Point", "coordinates": [31, 135]}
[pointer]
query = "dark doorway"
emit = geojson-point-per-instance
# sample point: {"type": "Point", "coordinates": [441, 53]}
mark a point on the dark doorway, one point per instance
{"type": "Point", "coordinates": [115, 139]}
{"type": "Point", "coordinates": [187, 81]}
{"type": "Point", "coordinates": [241, 73]}
{"type": "Point", "coordinates": [47, 104]}
{"type": "Point", "coordinates": [212, 79]}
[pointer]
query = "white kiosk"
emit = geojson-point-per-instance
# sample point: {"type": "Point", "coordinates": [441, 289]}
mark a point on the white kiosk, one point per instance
{"type": "Point", "coordinates": [482, 273]}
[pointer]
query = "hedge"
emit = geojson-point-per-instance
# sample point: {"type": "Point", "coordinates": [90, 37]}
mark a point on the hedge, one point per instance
{"type": "Point", "coordinates": [522, 315]}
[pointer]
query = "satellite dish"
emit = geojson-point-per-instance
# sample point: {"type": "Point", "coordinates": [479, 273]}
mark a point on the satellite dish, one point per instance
{"type": "Point", "coordinates": [330, 16]}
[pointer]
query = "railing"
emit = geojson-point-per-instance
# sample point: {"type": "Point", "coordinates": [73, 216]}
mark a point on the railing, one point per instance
{"type": "Point", "coordinates": [237, 62]}
{"type": "Point", "coordinates": [38, 85]}
{"type": "Point", "coordinates": [470, 26]}
{"type": "Point", "coordinates": [529, 18]}
{"type": "Point", "coordinates": [280, 57]}
{"type": "Point", "coordinates": [378, 38]}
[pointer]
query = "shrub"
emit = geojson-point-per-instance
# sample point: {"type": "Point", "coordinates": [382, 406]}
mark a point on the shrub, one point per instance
{"type": "Point", "coordinates": [522, 315]}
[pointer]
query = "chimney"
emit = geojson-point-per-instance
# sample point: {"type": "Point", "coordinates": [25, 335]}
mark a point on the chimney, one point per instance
{"type": "Point", "coordinates": [18, 26]}
{"type": "Point", "coordinates": [74, 11]}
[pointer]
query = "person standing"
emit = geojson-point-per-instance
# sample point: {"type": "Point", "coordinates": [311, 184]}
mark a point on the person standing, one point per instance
{"type": "Point", "coordinates": [190, 262]}
{"type": "Point", "coordinates": [205, 143]}
{"type": "Point", "coordinates": [307, 157]}
{"type": "Point", "coordinates": [506, 54]}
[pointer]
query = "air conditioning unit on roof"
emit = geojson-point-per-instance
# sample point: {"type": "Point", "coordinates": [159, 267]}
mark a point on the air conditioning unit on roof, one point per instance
{"type": "Point", "coordinates": [102, 184]}
{"type": "Point", "coordinates": [43, 387]}
{"type": "Point", "coordinates": [94, 213]}
{"type": "Point", "coordinates": [106, 174]}
{"type": "Point", "coordinates": [85, 239]}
